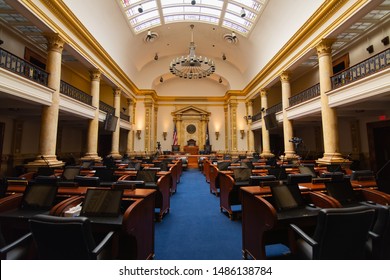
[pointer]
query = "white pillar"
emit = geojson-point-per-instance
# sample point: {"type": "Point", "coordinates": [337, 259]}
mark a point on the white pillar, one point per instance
{"type": "Point", "coordinates": [115, 135]}
{"type": "Point", "coordinates": [266, 153]}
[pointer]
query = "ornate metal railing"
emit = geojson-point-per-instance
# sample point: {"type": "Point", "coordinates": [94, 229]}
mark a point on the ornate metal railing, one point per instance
{"type": "Point", "coordinates": [125, 117]}
{"type": "Point", "coordinates": [75, 93]}
{"type": "Point", "coordinates": [106, 108]}
{"type": "Point", "coordinates": [307, 94]}
{"type": "Point", "coordinates": [274, 109]}
{"type": "Point", "coordinates": [22, 67]}
{"type": "Point", "coordinates": [365, 68]}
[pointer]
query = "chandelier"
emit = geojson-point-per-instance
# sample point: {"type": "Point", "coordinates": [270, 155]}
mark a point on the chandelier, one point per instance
{"type": "Point", "coordinates": [192, 66]}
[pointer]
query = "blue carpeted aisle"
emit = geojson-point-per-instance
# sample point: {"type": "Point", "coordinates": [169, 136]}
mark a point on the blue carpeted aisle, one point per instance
{"type": "Point", "coordinates": [195, 229]}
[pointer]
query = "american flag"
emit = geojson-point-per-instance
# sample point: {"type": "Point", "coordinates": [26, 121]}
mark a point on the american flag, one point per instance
{"type": "Point", "coordinates": [174, 135]}
{"type": "Point", "coordinates": [207, 135]}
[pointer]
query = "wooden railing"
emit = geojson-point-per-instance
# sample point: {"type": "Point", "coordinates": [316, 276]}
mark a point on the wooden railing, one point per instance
{"type": "Point", "coordinates": [307, 94]}
{"type": "Point", "coordinates": [75, 93]}
{"type": "Point", "coordinates": [363, 69]}
{"type": "Point", "coordinates": [22, 67]}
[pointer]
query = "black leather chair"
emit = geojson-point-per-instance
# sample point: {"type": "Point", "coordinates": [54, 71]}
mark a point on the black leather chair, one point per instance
{"type": "Point", "coordinates": [106, 176]}
{"type": "Point", "coordinates": [66, 238]}
{"type": "Point", "coordinates": [361, 175]}
{"type": "Point", "coordinates": [298, 178]}
{"type": "Point", "coordinates": [378, 245]}
{"type": "Point", "coordinates": [149, 176]}
{"type": "Point", "coordinates": [16, 250]}
{"type": "Point", "coordinates": [128, 184]}
{"type": "Point", "coordinates": [256, 180]}
{"type": "Point", "coordinates": [87, 181]}
{"type": "Point", "coordinates": [340, 234]}
{"type": "Point", "coordinates": [334, 176]}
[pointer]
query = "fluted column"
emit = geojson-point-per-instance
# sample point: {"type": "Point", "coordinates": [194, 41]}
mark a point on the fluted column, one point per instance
{"type": "Point", "coordinates": [179, 136]}
{"type": "Point", "coordinates": [148, 124]}
{"type": "Point", "coordinates": [115, 135]}
{"type": "Point", "coordinates": [233, 124]}
{"type": "Point", "coordinates": [49, 117]}
{"type": "Point", "coordinates": [155, 122]}
{"type": "Point", "coordinates": [226, 114]}
{"type": "Point", "coordinates": [329, 116]}
{"type": "Point", "coordinates": [93, 126]}
{"type": "Point", "coordinates": [251, 137]}
{"type": "Point", "coordinates": [130, 135]}
{"type": "Point", "coordinates": [289, 150]}
{"type": "Point", "coordinates": [266, 152]}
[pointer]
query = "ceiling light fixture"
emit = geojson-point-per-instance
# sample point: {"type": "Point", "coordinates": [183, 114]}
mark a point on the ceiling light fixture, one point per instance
{"type": "Point", "coordinates": [140, 10]}
{"type": "Point", "coordinates": [223, 56]}
{"type": "Point", "coordinates": [156, 57]}
{"type": "Point", "coordinates": [161, 79]}
{"type": "Point", "coordinates": [243, 14]}
{"type": "Point", "coordinates": [193, 2]}
{"type": "Point", "coordinates": [150, 37]}
{"type": "Point", "coordinates": [192, 66]}
{"type": "Point", "coordinates": [231, 38]}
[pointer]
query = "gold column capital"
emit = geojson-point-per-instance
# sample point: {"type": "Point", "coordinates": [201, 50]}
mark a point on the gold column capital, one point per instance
{"type": "Point", "coordinates": [263, 92]}
{"type": "Point", "coordinates": [117, 91]}
{"type": "Point", "coordinates": [325, 46]}
{"type": "Point", "coordinates": [285, 77]}
{"type": "Point", "coordinates": [249, 103]}
{"type": "Point", "coordinates": [54, 42]}
{"type": "Point", "coordinates": [95, 75]}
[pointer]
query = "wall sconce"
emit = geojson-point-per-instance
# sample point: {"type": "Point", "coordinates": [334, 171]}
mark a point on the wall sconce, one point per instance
{"type": "Point", "coordinates": [165, 135]}
{"type": "Point", "coordinates": [247, 118]}
{"type": "Point", "coordinates": [370, 49]}
{"type": "Point", "coordinates": [242, 133]}
{"type": "Point", "coordinates": [385, 41]}
{"type": "Point", "coordinates": [217, 135]}
{"type": "Point", "coordinates": [138, 133]}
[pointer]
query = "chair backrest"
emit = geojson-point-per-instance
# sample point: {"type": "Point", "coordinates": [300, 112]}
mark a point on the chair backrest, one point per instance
{"type": "Point", "coordinates": [256, 180]}
{"type": "Point", "coordinates": [287, 197]}
{"type": "Point", "coordinates": [87, 181]}
{"type": "Point", "coordinates": [380, 246]}
{"type": "Point", "coordinates": [105, 174]}
{"type": "Point", "coordinates": [147, 175]}
{"type": "Point", "coordinates": [298, 178]}
{"type": "Point", "coordinates": [342, 233]}
{"type": "Point", "coordinates": [278, 172]}
{"type": "Point", "coordinates": [128, 184]}
{"type": "Point", "coordinates": [39, 197]}
{"type": "Point", "coordinates": [102, 203]}
{"type": "Point", "coordinates": [223, 165]}
{"type": "Point", "coordinates": [46, 180]}
{"type": "Point", "coordinates": [361, 175]}
{"type": "Point", "coordinates": [342, 191]}
{"type": "Point", "coordinates": [70, 172]}
{"type": "Point", "coordinates": [335, 176]}
{"type": "Point", "coordinates": [242, 174]}
{"type": "Point", "coordinates": [307, 170]}
{"type": "Point", "coordinates": [62, 238]}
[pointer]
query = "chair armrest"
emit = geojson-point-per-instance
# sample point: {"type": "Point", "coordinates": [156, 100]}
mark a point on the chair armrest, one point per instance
{"type": "Point", "coordinates": [304, 236]}
{"type": "Point", "coordinates": [99, 248]}
{"type": "Point", "coordinates": [373, 235]}
{"type": "Point", "coordinates": [17, 243]}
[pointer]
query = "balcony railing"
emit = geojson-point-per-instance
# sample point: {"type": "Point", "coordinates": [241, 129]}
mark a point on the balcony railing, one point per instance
{"type": "Point", "coordinates": [75, 93]}
{"type": "Point", "coordinates": [274, 109]}
{"type": "Point", "coordinates": [125, 117]}
{"type": "Point", "coordinates": [365, 68]}
{"type": "Point", "coordinates": [106, 108]}
{"type": "Point", "coordinates": [256, 117]}
{"type": "Point", "coordinates": [307, 94]}
{"type": "Point", "coordinates": [22, 67]}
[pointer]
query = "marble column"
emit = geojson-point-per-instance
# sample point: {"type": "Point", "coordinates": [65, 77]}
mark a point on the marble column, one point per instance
{"type": "Point", "coordinates": [329, 116]}
{"type": "Point", "coordinates": [49, 118]}
{"type": "Point", "coordinates": [148, 125]}
{"type": "Point", "coordinates": [226, 114]}
{"type": "Point", "coordinates": [251, 137]}
{"type": "Point", "coordinates": [93, 126]}
{"type": "Point", "coordinates": [130, 135]}
{"type": "Point", "coordinates": [266, 152]}
{"type": "Point", "coordinates": [289, 149]}
{"type": "Point", "coordinates": [115, 135]}
{"type": "Point", "coordinates": [180, 138]}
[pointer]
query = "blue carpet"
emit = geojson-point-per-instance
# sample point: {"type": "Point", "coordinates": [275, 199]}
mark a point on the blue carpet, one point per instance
{"type": "Point", "coordinates": [195, 229]}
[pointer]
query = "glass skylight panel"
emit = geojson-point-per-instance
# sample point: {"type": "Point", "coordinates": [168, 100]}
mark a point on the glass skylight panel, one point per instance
{"type": "Point", "coordinates": [147, 25]}
{"type": "Point", "coordinates": [209, 11]}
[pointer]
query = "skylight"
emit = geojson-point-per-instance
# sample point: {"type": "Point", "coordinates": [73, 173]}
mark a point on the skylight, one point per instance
{"type": "Point", "coordinates": [145, 14]}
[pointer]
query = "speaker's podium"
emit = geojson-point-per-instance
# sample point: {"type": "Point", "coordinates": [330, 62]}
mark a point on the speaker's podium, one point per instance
{"type": "Point", "coordinates": [175, 148]}
{"type": "Point", "coordinates": [191, 147]}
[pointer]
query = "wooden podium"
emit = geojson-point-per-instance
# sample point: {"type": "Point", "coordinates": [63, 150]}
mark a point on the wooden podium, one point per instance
{"type": "Point", "coordinates": [192, 150]}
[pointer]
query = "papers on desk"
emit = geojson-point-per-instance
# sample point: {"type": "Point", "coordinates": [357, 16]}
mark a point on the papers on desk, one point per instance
{"type": "Point", "coordinates": [73, 211]}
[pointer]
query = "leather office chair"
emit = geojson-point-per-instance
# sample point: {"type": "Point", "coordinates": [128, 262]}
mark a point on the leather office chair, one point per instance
{"type": "Point", "coordinates": [340, 234]}
{"type": "Point", "coordinates": [335, 176]}
{"type": "Point", "coordinates": [64, 238]}
{"type": "Point", "coordinates": [149, 176]}
{"type": "Point", "coordinates": [298, 178]}
{"type": "Point", "coordinates": [16, 250]}
{"type": "Point", "coordinates": [378, 245]}
{"type": "Point", "coordinates": [87, 181]}
{"type": "Point", "coordinates": [256, 180]}
{"type": "Point", "coordinates": [106, 176]}
{"type": "Point", "coordinates": [361, 175]}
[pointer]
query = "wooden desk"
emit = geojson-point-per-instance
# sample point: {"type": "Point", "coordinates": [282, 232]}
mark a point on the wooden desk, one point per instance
{"type": "Point", "coordinates": [192, 150]}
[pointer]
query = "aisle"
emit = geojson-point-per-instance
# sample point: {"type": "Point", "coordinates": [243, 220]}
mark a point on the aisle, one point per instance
{"type": "Point", "coordinates": [195, 229]}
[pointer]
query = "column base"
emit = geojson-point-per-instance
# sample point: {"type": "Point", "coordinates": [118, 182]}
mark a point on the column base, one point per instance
{"type": "Point", "coordinates": [267, 154]}
{"type": "Point", "coordinates": [335, 158]}
{"type": "Point", "coordinates": [289, 156]}
{"type": "Point", "coordinates": [91, 157]}
{"type": "Point", "coordinates": [44, 161]}
{"type": "Point", "coordinates": [115, 155]}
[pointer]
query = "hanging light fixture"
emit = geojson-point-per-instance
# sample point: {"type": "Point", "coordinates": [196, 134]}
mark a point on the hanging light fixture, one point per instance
{"type": "Point", "coordinates": [192, 66]}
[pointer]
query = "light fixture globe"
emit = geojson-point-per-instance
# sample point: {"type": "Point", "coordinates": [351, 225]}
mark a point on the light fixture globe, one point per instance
{"type": "Point", "coordinates": [192, 66]}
